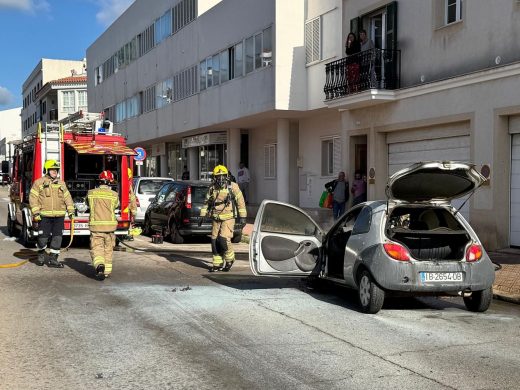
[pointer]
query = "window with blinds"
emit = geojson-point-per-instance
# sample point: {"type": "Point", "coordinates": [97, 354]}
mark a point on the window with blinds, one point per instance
{"type": "Point", "coordinates": [330, 156]}
{"type": "Point", "coordinates": [313, 40]}
{"type": "Point", "coordinates": [270, 161]}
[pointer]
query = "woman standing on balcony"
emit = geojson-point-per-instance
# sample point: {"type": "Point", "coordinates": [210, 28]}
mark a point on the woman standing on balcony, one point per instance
{"type": "Point", "coordinates": [352, 48]}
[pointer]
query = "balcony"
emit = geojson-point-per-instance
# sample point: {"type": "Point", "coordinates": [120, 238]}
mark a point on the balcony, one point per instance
{"type": "Point", "coordinates": [363, 79]}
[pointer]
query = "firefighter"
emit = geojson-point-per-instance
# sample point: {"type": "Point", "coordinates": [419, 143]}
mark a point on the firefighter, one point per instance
{"type": "Point", "coordinates": [132, 206]}
{"type": "Point", "coordinates": [223, 204]}
{"type": "Point", "coordinates": [50, 200]}
{"type": "Point", "coordinates": [103, 202]}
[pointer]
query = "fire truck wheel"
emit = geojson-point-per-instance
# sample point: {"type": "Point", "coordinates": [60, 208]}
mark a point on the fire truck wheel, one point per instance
{"type": "Point", "coordinates": [26, 241]}
{"type": "Point", "coordinates": [11, 228]}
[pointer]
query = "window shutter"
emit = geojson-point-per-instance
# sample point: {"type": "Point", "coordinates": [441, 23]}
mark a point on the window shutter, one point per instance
{"type": "Point", "coordinates": [391, 25]}
{"type": "Point", "coordinates": [337, 154]}
{"type": "Point", "coordinates": [313, 40]}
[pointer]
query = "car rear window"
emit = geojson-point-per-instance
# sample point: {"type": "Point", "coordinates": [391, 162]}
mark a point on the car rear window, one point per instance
{"type": "Point", "coordinates": [150, 186]}
{"type": "Point", "coordinates": [198, 194]}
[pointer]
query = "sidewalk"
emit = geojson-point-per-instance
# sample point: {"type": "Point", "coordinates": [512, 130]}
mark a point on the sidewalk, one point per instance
{"type": "Point", "coordinates": [507, 279]}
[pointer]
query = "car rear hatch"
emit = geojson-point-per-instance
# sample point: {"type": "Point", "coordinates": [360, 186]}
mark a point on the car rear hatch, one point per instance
{"type": "Point", "coordinates": [418, 216]}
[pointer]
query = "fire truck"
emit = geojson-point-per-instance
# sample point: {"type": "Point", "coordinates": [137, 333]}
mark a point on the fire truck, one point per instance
{"type": "Point", "coordinates": [85, 145]}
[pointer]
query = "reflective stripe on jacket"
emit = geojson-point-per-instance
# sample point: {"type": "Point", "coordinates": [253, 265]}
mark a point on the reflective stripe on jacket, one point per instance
{"type": "Point", "coordinates": [103, 203]}
{"type": "Point", "coordinates": [50, 198]}
{"type": "Point", "coordinates": [221, 203]}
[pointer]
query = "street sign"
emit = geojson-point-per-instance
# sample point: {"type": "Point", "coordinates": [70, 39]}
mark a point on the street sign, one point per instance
{"type": "Point", "coordinates": [138, 162]}
{"type": "Point", "coordinates": [141, 154]}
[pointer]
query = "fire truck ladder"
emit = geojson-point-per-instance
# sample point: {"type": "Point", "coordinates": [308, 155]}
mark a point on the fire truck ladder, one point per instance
{"type": "Point", "coordinates": [51, 139]}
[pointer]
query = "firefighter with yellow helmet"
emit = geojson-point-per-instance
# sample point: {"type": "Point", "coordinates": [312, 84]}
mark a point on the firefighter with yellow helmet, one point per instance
{"type": "Point", "coordinates": [132, 208]}
{"type": "Point", "coordinates": [50, 201]}
{"type": "Point", "coordinates": [103, 202]}
{"type": "Point", "coordinates": [223, 204]}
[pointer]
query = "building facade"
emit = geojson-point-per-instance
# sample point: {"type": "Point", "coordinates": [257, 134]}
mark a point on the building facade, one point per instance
{"type": "Point", "coordinates": [267, 82]}
{"type": "Point", "coordinates": [53, 90]}
{"type": "Point", "coordinates": [10, 132]}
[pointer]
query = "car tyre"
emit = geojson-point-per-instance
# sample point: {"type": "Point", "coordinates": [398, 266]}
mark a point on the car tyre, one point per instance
{"type": "Point", "coordinates": [371, 296]}
{"type": "Point", "coordinates": [175, 236]}
{"type": "Point", "coordinates": [236, 238]}
{"type": "Point", "coordinates": [147, 226]}
{"type": "Point", "coordinates": [479, 301]}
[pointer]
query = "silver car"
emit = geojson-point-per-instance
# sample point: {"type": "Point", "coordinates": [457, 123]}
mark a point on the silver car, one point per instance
{"type": "Point", "coordinates": [414, 243]}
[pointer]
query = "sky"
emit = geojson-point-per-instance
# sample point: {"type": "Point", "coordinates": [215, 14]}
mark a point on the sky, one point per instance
{"type": "Point", "coordinates": [58, 29]}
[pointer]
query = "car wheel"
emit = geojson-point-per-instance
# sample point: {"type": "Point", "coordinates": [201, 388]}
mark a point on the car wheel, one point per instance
{"type": "Point", "coordinates": [26, 240]}
{"type": "Point", "coordinates": [175, 236]}
{"type": "Point", "coordinates": [371, 296]}
{"type": "Point", "coordinates": [11, 228]}
{"type": "Point", "coordinates": [147, 226]}
{"type": "Point", "coordinates": [479, 301]}
{"type": "Point", "coordinates": [236, 238]}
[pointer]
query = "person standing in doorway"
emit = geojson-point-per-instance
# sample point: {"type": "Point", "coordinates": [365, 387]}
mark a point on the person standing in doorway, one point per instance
{"type": "Point", "coordinates": [185, 174]}
{"type": "Point", "coordinates": [243, 181]}
{"type": "Point", "coordinates": [359, 189]}
{"type": "Point", "coordinates": [339, 190]}
{"type": "Point", "coordinates": [103, 202]}
{"type": "Point", "coordinates": [50, 201]}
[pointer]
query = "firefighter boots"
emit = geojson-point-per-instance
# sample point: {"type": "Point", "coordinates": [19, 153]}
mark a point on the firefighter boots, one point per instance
{"type": "Point", "coordinates": [53, 262]}
{"type": "Point", "coordinates": [100, 272]}
{"type": "Point", "coordinates": [41, 258]}
{"type": "Point", "coordinates": [228, 266]}
{"type": "Point", "coordinates": [215, 268]}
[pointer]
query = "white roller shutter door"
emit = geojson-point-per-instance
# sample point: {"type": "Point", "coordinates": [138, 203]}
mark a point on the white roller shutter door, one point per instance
{"type": "Point", "coordinates": [404, 154]}
{"type": "Point", "coordinates": [515, 190]}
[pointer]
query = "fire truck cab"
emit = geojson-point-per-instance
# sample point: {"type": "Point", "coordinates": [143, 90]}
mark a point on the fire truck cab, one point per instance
{"type": "Point", "coordinates": [85, 145]}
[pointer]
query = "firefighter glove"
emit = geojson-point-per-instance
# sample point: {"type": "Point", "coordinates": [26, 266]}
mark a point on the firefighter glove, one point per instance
{"type": "Point", "coordinates": [242, 221]}
{"type": "Point", "coordinates": [71, 215]}
{"type": "Point", "coordinates": [37, 217]}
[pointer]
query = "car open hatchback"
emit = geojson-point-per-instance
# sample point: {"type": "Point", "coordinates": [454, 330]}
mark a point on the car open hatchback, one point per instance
{"type": "Point", "coordinates": [414, 243]}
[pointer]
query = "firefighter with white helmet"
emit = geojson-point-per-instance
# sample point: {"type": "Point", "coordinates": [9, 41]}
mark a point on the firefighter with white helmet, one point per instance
{"type": "Point", "coordinates": [224, 203]}
{"type": "Point", "coordinates": [50, 201]}
{"type": "Point", "coordinates": [103, 202]}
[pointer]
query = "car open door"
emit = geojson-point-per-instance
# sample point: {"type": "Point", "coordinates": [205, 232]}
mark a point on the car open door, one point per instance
{"type": "Point", "coordinates": [284, 241]}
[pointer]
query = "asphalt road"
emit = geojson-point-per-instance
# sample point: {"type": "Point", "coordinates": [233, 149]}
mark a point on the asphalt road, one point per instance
{"type": "Point", "coordinates": [163, 322]}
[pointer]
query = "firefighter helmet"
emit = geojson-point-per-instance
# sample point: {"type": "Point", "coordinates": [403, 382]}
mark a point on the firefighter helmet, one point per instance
{"type": "Point", "coordinates": [50, 164]}
{"type": "Point", "coordinates": [220, 170]}
{"type": "Point", "coordinates": [106, 176]}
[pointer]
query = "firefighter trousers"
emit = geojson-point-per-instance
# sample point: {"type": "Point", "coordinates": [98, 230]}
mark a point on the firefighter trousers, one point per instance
{"type": "Point", "coordinates": [101, 249]}
{"type": "Point", "coordinates": [50, 227]}
{"type": "Point", "coordinates": [221, 247]}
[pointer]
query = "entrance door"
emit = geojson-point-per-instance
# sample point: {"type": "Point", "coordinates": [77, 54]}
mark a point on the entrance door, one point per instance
{"type": "Point", "coordinates": [209, 157]}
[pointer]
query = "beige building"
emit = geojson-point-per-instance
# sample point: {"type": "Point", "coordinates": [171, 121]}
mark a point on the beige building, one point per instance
{"type": "Point", "coordinates": [53, 90]}
{"type": "Point", "coordinates": [10, 131]}
{"type": "Point", "coordinates": [204, 82]}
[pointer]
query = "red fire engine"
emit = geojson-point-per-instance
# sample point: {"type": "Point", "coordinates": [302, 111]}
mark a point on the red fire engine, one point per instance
{"type": "Point", "coordinates": [85, 145]}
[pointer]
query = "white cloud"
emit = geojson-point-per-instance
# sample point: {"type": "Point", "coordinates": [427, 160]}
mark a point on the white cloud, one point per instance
{"type": "Point", "coordinates": [25, 5]}
{"type": "Point", "coordinates": [6, 97]}
{"type": "Point", "coordinates": [111, 10]}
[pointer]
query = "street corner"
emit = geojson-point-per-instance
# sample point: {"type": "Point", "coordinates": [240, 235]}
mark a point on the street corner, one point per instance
{"type": "Point", "coordinates": [507, 283]}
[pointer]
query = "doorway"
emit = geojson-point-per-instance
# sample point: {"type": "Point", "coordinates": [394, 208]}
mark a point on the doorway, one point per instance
{"type": "Point", "coordinates": [209, 157]}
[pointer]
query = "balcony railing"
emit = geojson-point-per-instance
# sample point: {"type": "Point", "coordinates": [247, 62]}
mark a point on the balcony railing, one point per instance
{"type": "Point", "coordinates": [370, 69]}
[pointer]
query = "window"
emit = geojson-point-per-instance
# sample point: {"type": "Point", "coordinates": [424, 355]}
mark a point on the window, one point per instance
{"type": "Point", "coordinates": [82, 100]}
{"type": "Point", "coordinates": [148, 103]}
{"type": "Point", "coordinates": [202, 72]}
{"type": "Point", "coordinates": [182, 14]}
{"type": "Point", "coordinates": [146, 40]}
{"type": "Point", "coordinates": [120, 112]}
{"type": "Point", "coordinates": [132, 106]}
{"type": "Point", "coordinates": [163, 27]}
{"type": "Point", "coordinates": [209, 72]}
{"type": "Point", "coordinates": [185, 83]}
{"type": "Point", "coordinates": [330, 156]}
{"type": "Point", "coordinates": [250, 50]}
{"type": "Point", "coordinates": [216, 69]}
{"type": "Point", "coordinates": [164, 91]}
{"type": "Point", "coordinates": [313, 40]}
{"type": "Point", "coordinates": [238, 60]}
{"type": "Point", "coordinates": [270, 161]}
{"type": "Point", "coordinates": [68, 105]}
{"type": "Point", "coordinates": [224, 66]}
{"type": "Point", "coordinates": [363, 222]}
{"type": "Point", "coordinates": [452, 11]}
{"type": "Point", "coordinates": [279, 218]}
{"type": "Point", "coordinates": [258, 51]}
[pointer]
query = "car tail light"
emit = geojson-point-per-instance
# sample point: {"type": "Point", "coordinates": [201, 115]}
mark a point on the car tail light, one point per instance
{"type": "Point", "coordinates": [123, 225]}
{"type": "Point", "coordinates": [188, 198]}
{"type": "Point", "coordinates": [474, 253]}
{"type": "Point", "coordinates": [396, 251]}
{"type": "Point", "coordinates": [186, 220]}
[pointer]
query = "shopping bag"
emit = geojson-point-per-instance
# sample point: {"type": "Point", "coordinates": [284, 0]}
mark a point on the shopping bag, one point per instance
{"type": "Point", "coordinates": [328, 201]}
{"type": "Point", "coordinates": [323, 197]}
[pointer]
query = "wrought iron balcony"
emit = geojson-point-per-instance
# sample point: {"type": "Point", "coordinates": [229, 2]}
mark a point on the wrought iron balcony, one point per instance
{"type": "Point", "coordinates": [369, 69]}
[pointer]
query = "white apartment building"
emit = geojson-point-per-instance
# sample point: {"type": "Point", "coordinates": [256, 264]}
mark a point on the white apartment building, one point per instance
{"type": "Point", "coordinates": [204, 82]}
{"type": "Point", "coordinates": [10, 131]}
{"type": "Point", "coordinates": [53, 90]}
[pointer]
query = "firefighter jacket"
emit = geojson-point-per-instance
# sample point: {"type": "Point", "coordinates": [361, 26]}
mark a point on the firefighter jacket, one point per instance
{"type": "Point", "coordinates": [103, 203]}
{"type": "Point", "coordinates": [133, 202]}
{"type": "Point", "coordinates": [226, 203]}
{"type": "Point", "coordinates": [50, 198]}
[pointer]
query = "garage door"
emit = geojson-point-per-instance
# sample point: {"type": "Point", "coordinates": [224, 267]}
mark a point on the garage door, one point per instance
{"type": "Point", "coordinates": [403, 154]}
{"type": "Point", "coordinates": [515, 190]}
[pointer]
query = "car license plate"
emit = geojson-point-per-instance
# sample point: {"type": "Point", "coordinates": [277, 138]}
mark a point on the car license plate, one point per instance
{"type": "Point", "coordinates": [441, 276]}
{"type": "Point", "coordinates": [80, 225]}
